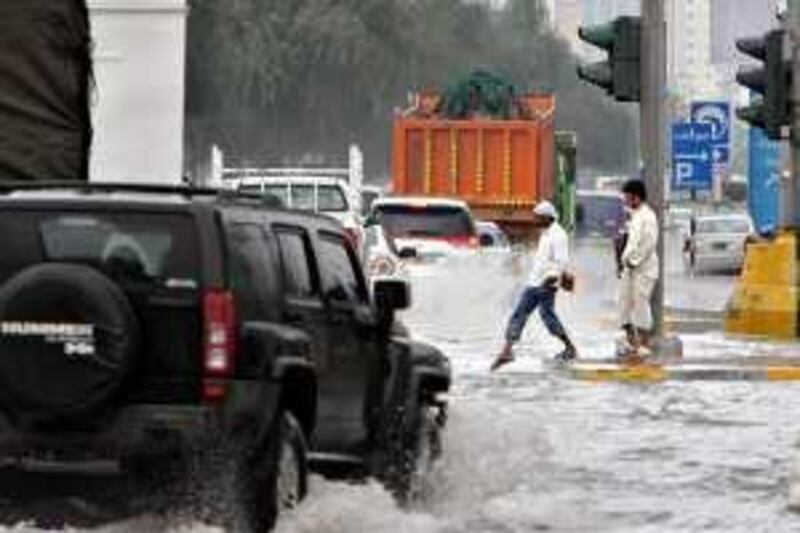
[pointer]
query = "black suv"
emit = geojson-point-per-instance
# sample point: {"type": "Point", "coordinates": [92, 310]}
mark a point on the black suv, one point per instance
{"type": "Point", "coordinates": [146, 326]}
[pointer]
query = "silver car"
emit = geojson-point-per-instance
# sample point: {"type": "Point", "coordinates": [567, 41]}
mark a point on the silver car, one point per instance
{"type": "Point", "coordinates": [717, 242]}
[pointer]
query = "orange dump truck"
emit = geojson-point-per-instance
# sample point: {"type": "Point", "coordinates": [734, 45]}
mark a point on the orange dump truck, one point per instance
{"type": "Point", "coordinates": [500, 167]}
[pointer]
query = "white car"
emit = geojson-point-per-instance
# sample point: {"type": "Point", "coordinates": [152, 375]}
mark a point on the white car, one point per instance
{"type": "Point", "coordinates": [679, 219]}
{"type": "Point", "coordinates": [381, 258]}
{"type": "Point", "coordinates": [717, 242]}
{"type": "Point", "coordinates": [424, 230]}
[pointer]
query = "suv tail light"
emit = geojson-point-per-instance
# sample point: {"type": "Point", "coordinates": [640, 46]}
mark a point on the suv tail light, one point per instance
{"type": "Point", "coordinates": [219, 343]}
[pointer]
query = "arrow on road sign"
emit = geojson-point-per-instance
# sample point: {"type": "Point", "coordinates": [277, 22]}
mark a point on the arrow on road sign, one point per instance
{"type": "Point", "coordinates": [692, 154]}
{"type": "Point", "coordinates": [702, 157]}
{"type": "Point", "coordinates": [721, 154]}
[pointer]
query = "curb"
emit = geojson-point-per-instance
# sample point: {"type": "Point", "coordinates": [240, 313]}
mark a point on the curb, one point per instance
{"type": "Point", "coordinates": [681, 324]}
{"type": "Point", "coordinates": [652, 373]}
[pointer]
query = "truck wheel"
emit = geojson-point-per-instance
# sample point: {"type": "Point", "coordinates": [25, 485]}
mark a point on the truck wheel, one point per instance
{"type": "Point", "coordinates": [277, 480]}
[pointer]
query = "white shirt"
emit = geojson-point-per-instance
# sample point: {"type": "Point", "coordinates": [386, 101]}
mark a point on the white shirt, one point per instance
{"type": "Point", "coordinates": [640, 255]}
{"type": "Point", "coordinates": [552, 255]}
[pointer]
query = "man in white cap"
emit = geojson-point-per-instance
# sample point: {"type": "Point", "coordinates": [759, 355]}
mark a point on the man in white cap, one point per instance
{"type": "Point", "coordinates": [550, 262]}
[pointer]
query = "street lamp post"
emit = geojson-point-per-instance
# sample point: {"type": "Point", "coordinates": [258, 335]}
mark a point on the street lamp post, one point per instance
{"type": "Point", "coordinates": [793, 28]}
{"type": "Point", "coordinates": [653, 127]}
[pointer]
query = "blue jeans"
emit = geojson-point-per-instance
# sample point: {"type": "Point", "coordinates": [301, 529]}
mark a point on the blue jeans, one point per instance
{"type": "Point", "coordinates": [545, 299]}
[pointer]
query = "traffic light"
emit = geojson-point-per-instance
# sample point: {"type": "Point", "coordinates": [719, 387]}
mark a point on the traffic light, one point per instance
{"type": "Point", "coordinates": [771, 111]}
{"type": "Point", "coordinates": [620, 75]}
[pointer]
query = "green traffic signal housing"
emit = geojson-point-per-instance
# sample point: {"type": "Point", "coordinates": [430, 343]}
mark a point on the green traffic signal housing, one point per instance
{"type": "Point", "coordinates": [620, 75]}
{"type": "Point", "coordinates": [754, 114]}
{"type": "Point", "coordinates": [772, 81]}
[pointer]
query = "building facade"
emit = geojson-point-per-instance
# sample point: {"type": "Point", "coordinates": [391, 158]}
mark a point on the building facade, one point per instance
{"type": "Point", "coordinates": [690, 70]}
{"type": "Point", "coordinates": [567, 16]}
{"type": "Point", "coordinates": [138, 111]}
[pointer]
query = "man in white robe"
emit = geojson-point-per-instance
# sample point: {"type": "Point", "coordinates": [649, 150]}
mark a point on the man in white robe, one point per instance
{"type": "Point", "coordinates": [640, 269]}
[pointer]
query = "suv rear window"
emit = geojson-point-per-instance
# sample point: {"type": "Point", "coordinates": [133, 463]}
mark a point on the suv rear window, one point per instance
{"type": "Point", "coordinates": [129, 247]}
{"type": "Point", "coordinates": [425, 221]}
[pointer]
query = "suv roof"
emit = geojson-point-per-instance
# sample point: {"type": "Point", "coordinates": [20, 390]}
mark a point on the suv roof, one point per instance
{"type": "Point", "coordinates": [131, 194]}
{"type": "Point", "coordinates": [148, 195]}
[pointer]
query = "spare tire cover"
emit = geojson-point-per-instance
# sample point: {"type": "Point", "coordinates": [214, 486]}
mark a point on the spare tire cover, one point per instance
{"type": "Point", "coordinates": [68, 340]}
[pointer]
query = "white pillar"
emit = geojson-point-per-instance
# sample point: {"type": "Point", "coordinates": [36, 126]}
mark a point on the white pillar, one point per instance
{"type": "Point", "coordinates": [138, 111]}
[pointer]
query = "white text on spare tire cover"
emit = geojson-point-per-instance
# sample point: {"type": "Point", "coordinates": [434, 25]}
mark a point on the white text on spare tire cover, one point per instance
{"type": "Point", "coordinates": [78, 339]}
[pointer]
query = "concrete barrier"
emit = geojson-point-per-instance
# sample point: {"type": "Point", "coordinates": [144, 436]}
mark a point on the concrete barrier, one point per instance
{"type": "Point", "coordinates": [765, 300]}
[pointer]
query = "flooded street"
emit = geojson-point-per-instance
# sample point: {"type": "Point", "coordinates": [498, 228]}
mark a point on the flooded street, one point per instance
{"type": "Point", "coordinates": [531, 452]}
{"type": "Point", "coordinates": [527, 451]}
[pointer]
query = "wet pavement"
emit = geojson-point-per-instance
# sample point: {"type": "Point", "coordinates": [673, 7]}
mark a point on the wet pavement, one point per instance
{"type": "Point", "coordinates": [528, 451]}
{"type": "Point", "coordinates": [531, 451]}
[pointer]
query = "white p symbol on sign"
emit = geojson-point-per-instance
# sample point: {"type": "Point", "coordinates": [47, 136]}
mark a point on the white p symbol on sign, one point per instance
{"type": "Point", "coordinates": [684, 172]}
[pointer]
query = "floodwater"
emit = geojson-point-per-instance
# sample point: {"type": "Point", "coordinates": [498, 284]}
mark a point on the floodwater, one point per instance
{"type": "Point", "coordinates": [527, 451]}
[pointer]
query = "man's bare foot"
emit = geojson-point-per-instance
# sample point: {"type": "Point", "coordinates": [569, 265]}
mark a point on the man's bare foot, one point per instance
{"type": "Point", "coordinates": [632, 358]}
{"type": "Point", "coordinates": [644, 351]}
{"type": "Point", "coordinates": [567, 355]}
{"type": "Point", "coordinates": [503, 358]}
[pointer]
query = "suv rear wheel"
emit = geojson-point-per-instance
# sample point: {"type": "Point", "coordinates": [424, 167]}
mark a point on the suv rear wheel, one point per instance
{"type": "Point", "coordinates": [276, 480]}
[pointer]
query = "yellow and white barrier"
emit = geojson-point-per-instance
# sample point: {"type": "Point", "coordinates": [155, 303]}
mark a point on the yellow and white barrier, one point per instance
{"type": "Point", "coordinates": [765, 301]}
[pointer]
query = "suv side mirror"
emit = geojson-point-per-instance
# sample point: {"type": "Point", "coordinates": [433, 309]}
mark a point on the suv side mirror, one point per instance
{"type": "Point", "coordinates": [486, 240]}
{"type": "Point", "coordinates": [392, 295]}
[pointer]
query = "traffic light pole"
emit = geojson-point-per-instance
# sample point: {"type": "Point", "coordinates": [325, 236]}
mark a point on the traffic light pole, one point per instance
{"type": "Point", "coordinates": [653, 128]}
{"type": "Point", "coordinates": [793, 217]}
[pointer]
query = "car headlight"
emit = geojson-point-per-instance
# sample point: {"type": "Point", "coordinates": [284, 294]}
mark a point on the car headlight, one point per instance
{"type": "Point", "coordinates": [381, 266]}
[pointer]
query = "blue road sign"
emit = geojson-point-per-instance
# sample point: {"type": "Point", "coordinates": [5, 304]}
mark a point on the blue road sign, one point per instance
{"type": "Point", "coordinates": [692, 156]}
{"type": "Point", "coordinates": [718, 116]}
{"type": "Point", "coordinates": [763, 182]}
